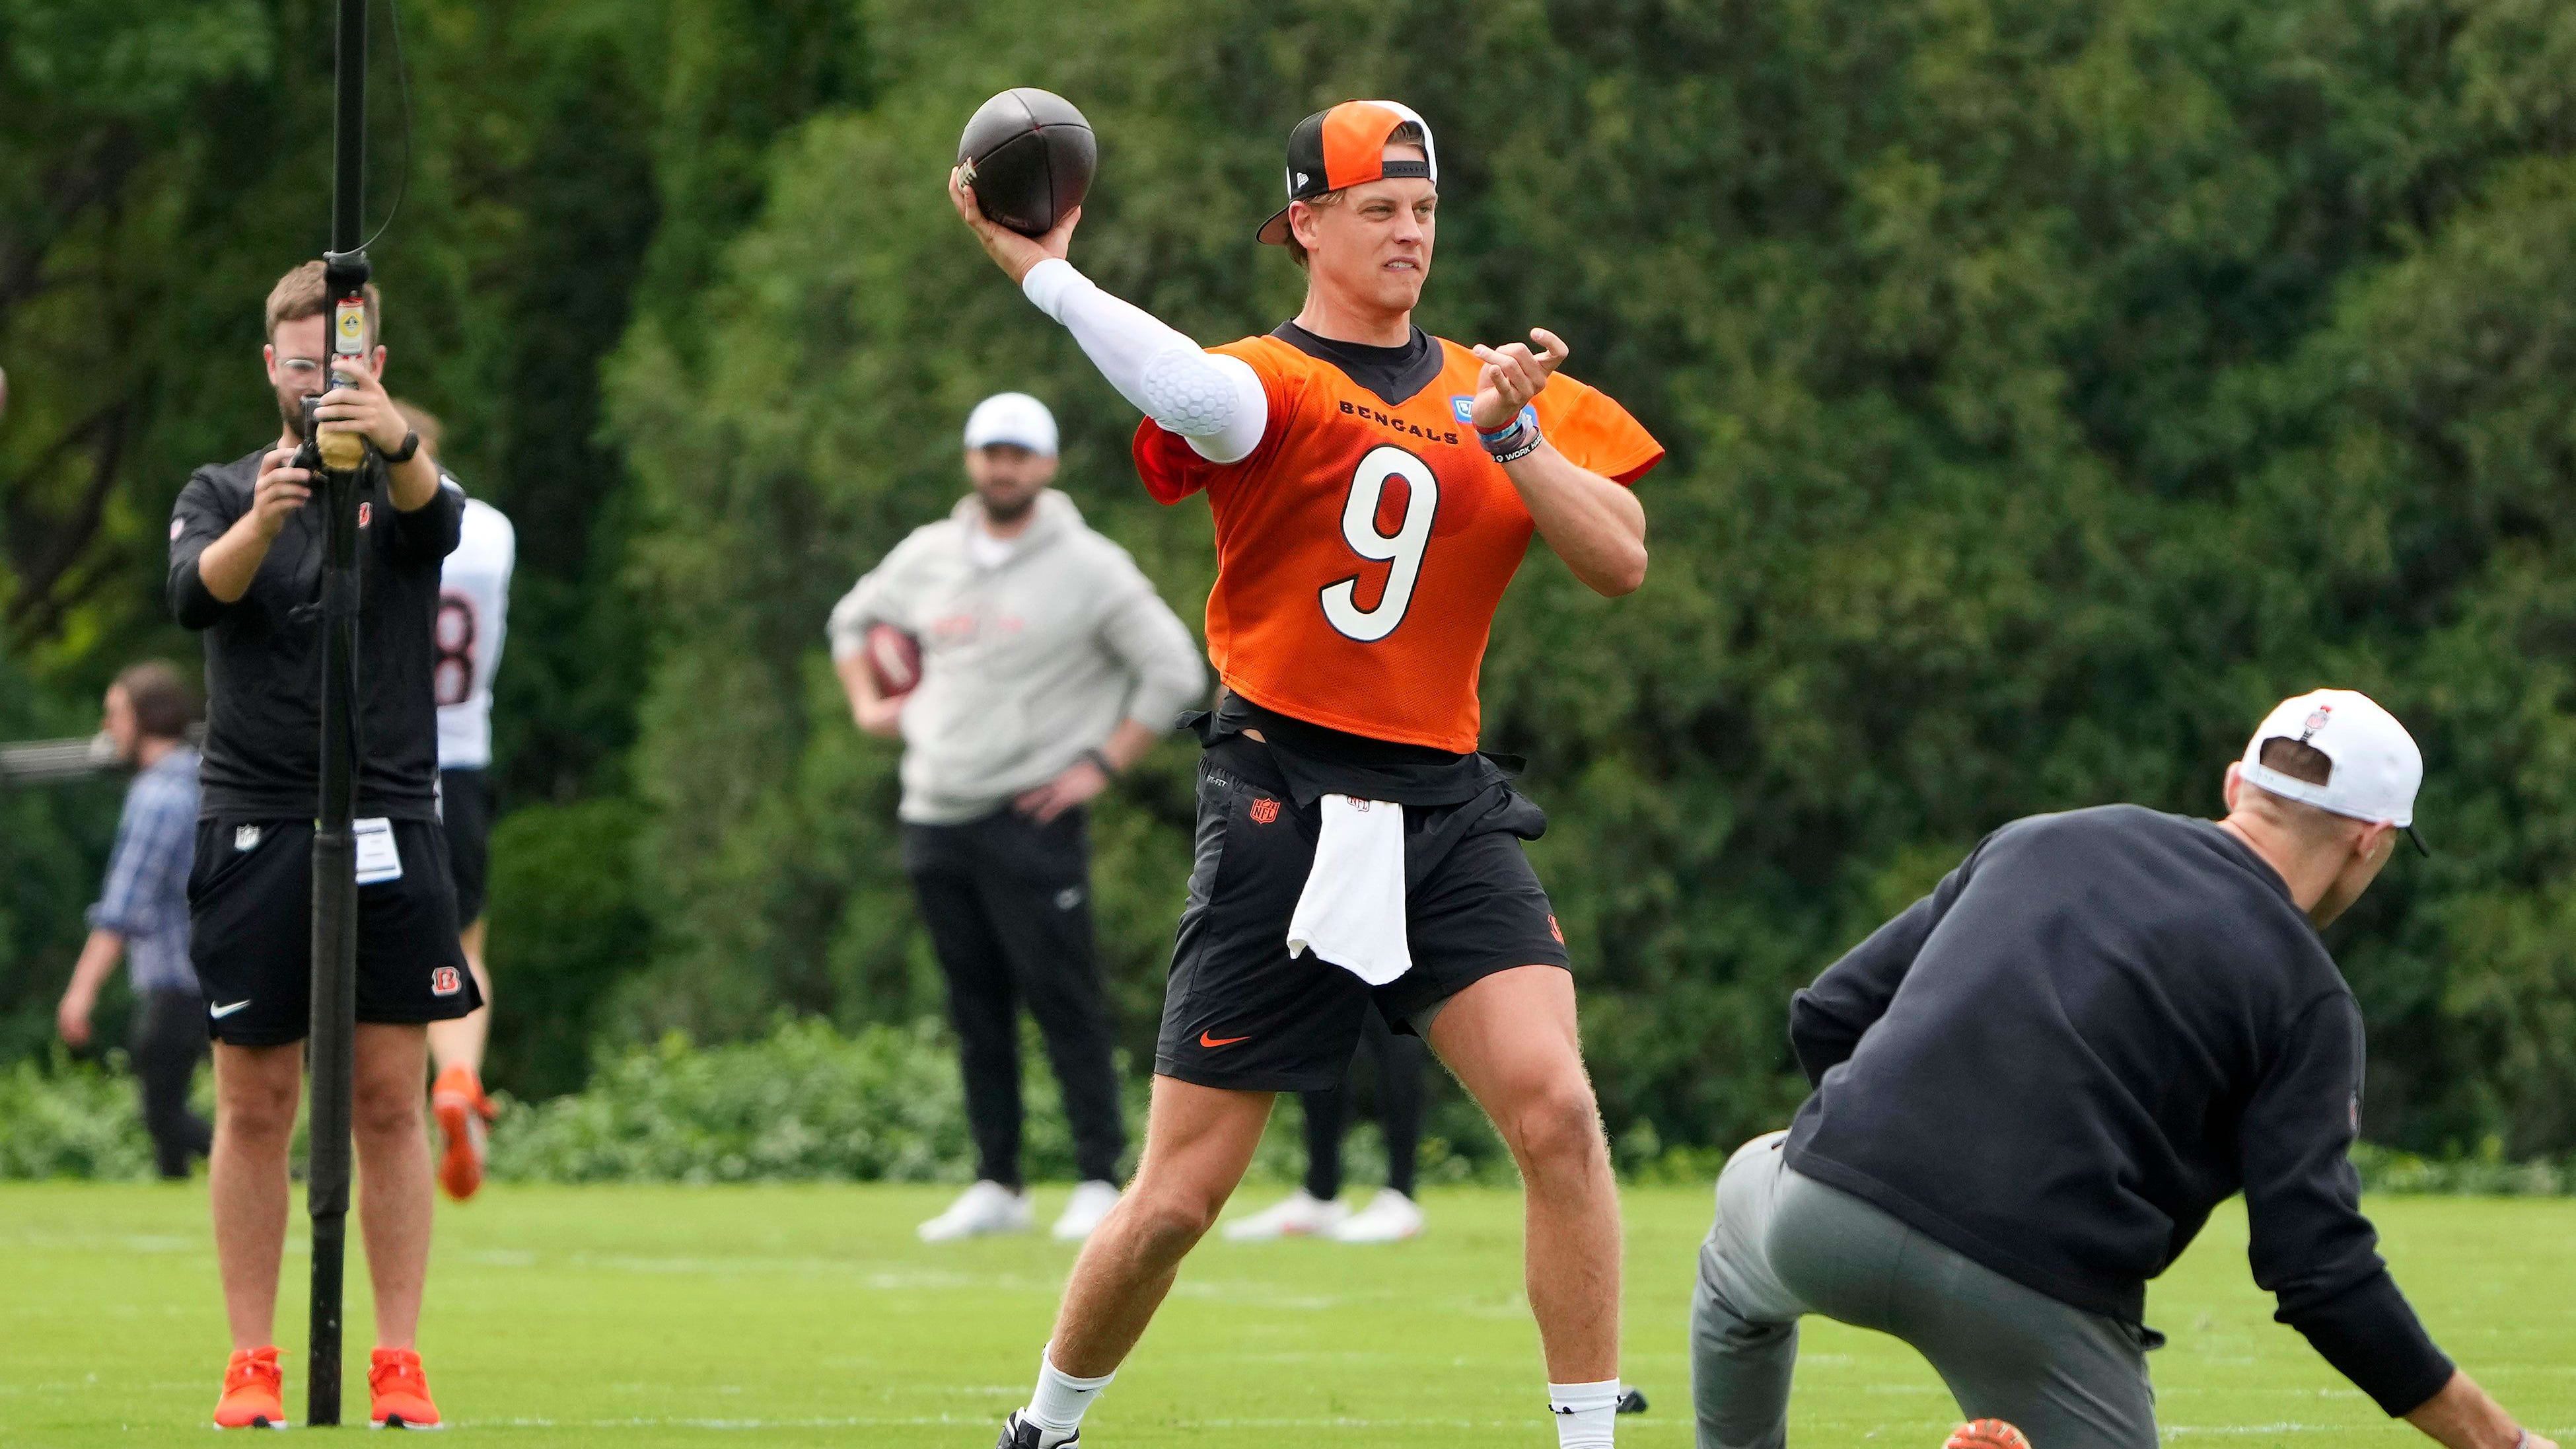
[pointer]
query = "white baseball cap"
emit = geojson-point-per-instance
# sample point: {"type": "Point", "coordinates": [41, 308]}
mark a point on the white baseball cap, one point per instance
{"type": "Point", "coordinates": [2375, 766]}
{"type": "Point", "coordinates": [1012, 417]}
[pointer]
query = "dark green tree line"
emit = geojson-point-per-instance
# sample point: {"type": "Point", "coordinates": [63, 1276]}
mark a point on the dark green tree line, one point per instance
{"type": "Point", "coordinates": [2050, 387]}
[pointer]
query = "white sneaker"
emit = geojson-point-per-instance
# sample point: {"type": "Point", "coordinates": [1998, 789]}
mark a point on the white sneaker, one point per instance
{"type": "Point", "coordinates": [1091, 1201]}
{"type": "Point", "coordinates": [1301, 1215]}
{"type": "Point", "coordinates": [1390, 1217]}
{"type": "Point", "coordinates": [987, 1207]}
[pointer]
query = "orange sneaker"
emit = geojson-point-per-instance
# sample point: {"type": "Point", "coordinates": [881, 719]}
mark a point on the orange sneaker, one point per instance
{"type": "Point", "coordinates": [1986, 1434]}
{"type": "Point", "coordinates": [398, 1392]}
{"type": "Point", "coordinates": [253, 1391]}
{"type": "Point", "coordinates": [457, 1100]}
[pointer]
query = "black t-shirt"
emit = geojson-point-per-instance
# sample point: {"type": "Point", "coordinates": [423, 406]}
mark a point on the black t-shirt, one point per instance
{"type": "Point", "coordinates": [264, 651]}
{"type": "Point", "coordinates": [2102, 1025]}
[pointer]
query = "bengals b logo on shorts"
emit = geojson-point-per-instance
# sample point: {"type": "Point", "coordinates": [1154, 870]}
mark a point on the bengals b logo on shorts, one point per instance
{"type": "Point", "coordinates": [1264, 810]}
{"type": "Point", "coordinates": [446, 981]}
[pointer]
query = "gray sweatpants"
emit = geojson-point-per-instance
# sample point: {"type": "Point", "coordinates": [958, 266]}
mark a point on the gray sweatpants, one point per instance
{"type": "Point", "coordinates": [1785, 1245]}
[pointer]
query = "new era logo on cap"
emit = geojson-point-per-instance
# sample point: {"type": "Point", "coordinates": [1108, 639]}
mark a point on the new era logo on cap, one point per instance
{"type": "Point", "coordinates": [2376, 767]}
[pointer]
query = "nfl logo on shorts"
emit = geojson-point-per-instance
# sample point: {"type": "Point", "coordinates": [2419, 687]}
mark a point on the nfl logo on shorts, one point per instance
{"type": "Point", "coordinates": [446, 981]}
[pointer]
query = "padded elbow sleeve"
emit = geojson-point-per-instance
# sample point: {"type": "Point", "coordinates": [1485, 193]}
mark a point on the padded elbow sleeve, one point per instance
{"type": "Point", "coordinates": [1187, 393]}
{"type": "Point", "coordinates": [1214, 401]}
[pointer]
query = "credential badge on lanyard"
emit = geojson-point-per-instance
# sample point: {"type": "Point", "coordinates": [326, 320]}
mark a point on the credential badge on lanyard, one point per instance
{"type": "Point", "coordinates": [379, 860]}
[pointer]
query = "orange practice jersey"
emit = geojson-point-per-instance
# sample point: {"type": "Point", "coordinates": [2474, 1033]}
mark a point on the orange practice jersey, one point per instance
{"type": "Point", "coordinates": [1363, 546]}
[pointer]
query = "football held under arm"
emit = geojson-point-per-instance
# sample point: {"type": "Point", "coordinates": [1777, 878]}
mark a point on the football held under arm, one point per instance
{"type": "Point", "coordinates": [1213, 401]}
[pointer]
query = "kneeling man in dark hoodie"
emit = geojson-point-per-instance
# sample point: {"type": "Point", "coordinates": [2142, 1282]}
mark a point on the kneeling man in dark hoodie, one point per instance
{"type": "Point", "coordinates": [2034, 1085]}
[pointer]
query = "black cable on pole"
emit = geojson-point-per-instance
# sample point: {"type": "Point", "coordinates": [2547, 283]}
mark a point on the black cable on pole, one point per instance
{"type": "Point", "coordinates": [402, 94]}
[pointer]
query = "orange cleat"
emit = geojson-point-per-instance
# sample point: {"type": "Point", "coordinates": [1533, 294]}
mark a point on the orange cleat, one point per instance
{"type": "Point", "coordinates": [398, 1392]}
{"type": "Point", "coordinates": [254, 1391]}
{"type": "Point", "coordinates": [457, 1100]}
{"type": "Point", "coordinates": [1986, 1434]}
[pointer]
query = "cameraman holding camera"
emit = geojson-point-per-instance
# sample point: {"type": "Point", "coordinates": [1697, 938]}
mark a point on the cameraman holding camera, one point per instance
{"type": "Point", "coordinates": [246, 559]}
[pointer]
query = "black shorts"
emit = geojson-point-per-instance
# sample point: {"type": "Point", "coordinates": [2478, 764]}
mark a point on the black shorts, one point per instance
{"type": "Point", "coordinates": [250, 932]}
{"type": "Point", "coordinates": [465, 813]}
{"type": "Point", "coordinates": [1243, 1014]}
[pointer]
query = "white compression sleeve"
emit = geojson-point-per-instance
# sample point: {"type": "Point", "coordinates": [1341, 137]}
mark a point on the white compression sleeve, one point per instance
{"type": "Point", "coordinates": [1214, 401]}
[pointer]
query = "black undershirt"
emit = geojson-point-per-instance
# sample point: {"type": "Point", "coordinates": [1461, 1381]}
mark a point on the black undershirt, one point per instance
{"type": "Point", "coordinates": [1393, 373]}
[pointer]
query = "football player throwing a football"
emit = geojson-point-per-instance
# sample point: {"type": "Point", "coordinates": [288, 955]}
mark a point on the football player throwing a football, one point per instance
{"type": "Point", "coordinates": [1373, 490]}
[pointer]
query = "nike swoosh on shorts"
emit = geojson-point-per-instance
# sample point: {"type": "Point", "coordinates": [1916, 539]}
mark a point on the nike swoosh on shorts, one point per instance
{"type": "Point", "coordinates": [227, 1010]}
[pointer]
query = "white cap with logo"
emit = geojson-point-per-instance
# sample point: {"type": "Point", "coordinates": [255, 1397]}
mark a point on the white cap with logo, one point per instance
{"type": "Point", "coordinates": [1013, 418]}
{"type": "Point", "coordinates": [2375, 768]}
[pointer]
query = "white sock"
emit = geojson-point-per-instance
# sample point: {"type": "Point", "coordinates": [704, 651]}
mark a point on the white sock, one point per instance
{"type": "Point", "coordinates": [1060, 1399]}
{"type": "Point", "coordinates": [1585, 1414]}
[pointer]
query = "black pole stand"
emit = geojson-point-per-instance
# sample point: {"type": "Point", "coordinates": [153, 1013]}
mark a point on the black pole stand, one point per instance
{"type": "Point", "coordinates": [346, 468]}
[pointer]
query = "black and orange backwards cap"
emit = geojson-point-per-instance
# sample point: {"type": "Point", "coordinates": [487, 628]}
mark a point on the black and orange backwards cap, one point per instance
{"type": "Point", "coordinates": [1346, 146]}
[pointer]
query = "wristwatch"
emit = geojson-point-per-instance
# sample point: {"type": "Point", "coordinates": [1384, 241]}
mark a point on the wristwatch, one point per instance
{"type": "Point", "coordinates": [410, 445]}
{"type": "Point", "coordinates": [1100, 760]}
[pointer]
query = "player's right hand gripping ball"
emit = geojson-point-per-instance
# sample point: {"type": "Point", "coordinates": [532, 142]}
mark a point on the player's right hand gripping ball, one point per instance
{"type": "Point", "coordinates": [1029, 156]}
{"type": "Point", "coordinates": [1987, 1434]}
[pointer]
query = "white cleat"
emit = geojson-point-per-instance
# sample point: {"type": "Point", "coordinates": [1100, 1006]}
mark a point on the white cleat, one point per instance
{"type": "Point", "coordinates": [1091, 1201]}
{"type": "Point", "coordinates": [985, 1208]}
{"type": "Point", "coordinates": [1390, 1217]}
{"type": "Point", "coordinates": [1300, 1215]}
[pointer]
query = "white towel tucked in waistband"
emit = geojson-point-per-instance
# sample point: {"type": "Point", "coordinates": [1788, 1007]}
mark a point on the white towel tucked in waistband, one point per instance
{"type": "Point", "coordinates": [1352, 910]}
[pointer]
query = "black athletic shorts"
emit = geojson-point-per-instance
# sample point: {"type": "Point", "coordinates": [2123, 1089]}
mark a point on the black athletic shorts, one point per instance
{"type": "Point", "coordinates": [250, 932]}
{"type": "Point", "coordinates": [1241, 1013]}
{"type": "Point", "coordinates": [465, 813]}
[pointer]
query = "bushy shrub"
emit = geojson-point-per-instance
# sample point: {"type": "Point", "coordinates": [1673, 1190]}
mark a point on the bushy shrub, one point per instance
{"type": "Point", "coordinates": [810, 1103]}
{"type": "Point", "coordinates": [62, 1118]}
{"type": "Point", "coordinates": [805, 1103]}
{"type": "Point", "coordinates": [2484, 1173]}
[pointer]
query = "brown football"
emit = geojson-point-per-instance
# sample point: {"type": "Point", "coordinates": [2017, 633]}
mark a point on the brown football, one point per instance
{"type": "Point", "coordinates": [894, 660]}
{"type": "Point", "coordinates": [1029, 155]}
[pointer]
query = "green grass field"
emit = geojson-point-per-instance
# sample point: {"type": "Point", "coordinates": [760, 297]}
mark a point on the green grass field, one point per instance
{"type": "Point", "coordinates": [810, 1316]}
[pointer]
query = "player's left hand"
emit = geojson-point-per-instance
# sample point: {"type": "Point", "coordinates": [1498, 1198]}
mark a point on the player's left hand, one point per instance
{"type": "Point", "coordinates": [1080, 781]}
{"type": "Point", "coordinates": [1513, 374]}
{"type": "Point", "coordinates": [358, 403]}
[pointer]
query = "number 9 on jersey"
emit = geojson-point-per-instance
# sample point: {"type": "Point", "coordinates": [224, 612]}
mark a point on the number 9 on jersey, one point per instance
{"type": "Point", "coordinates": [1403, 549]}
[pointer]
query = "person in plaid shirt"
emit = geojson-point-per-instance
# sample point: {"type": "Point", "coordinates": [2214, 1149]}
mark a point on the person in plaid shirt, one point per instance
{"type": "Point", "coordinates": [142, 913]}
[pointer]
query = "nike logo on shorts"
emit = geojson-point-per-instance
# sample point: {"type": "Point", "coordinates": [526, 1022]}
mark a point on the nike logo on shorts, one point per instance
{"type": "Point", "coordinates": [1206, 1040]}
{"type": "Point", "coordinates": [227, 1008]}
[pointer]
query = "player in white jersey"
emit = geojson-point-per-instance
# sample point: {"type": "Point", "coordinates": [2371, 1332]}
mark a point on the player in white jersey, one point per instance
{"type": "Point", "coordinates": [473, 615]}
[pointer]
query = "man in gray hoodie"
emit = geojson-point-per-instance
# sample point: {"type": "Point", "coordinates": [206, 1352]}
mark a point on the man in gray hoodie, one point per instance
{"type": "Point", "coordinates": [1047, 665]}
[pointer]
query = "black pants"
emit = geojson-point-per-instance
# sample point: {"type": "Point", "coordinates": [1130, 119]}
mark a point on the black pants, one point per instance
{"type": "Point", "coordinates": [169, 1040]}
{"type": "Point", "coordinates": [1008, 906]}
{"type": "Point", "coordinates": [1400, 1063]}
